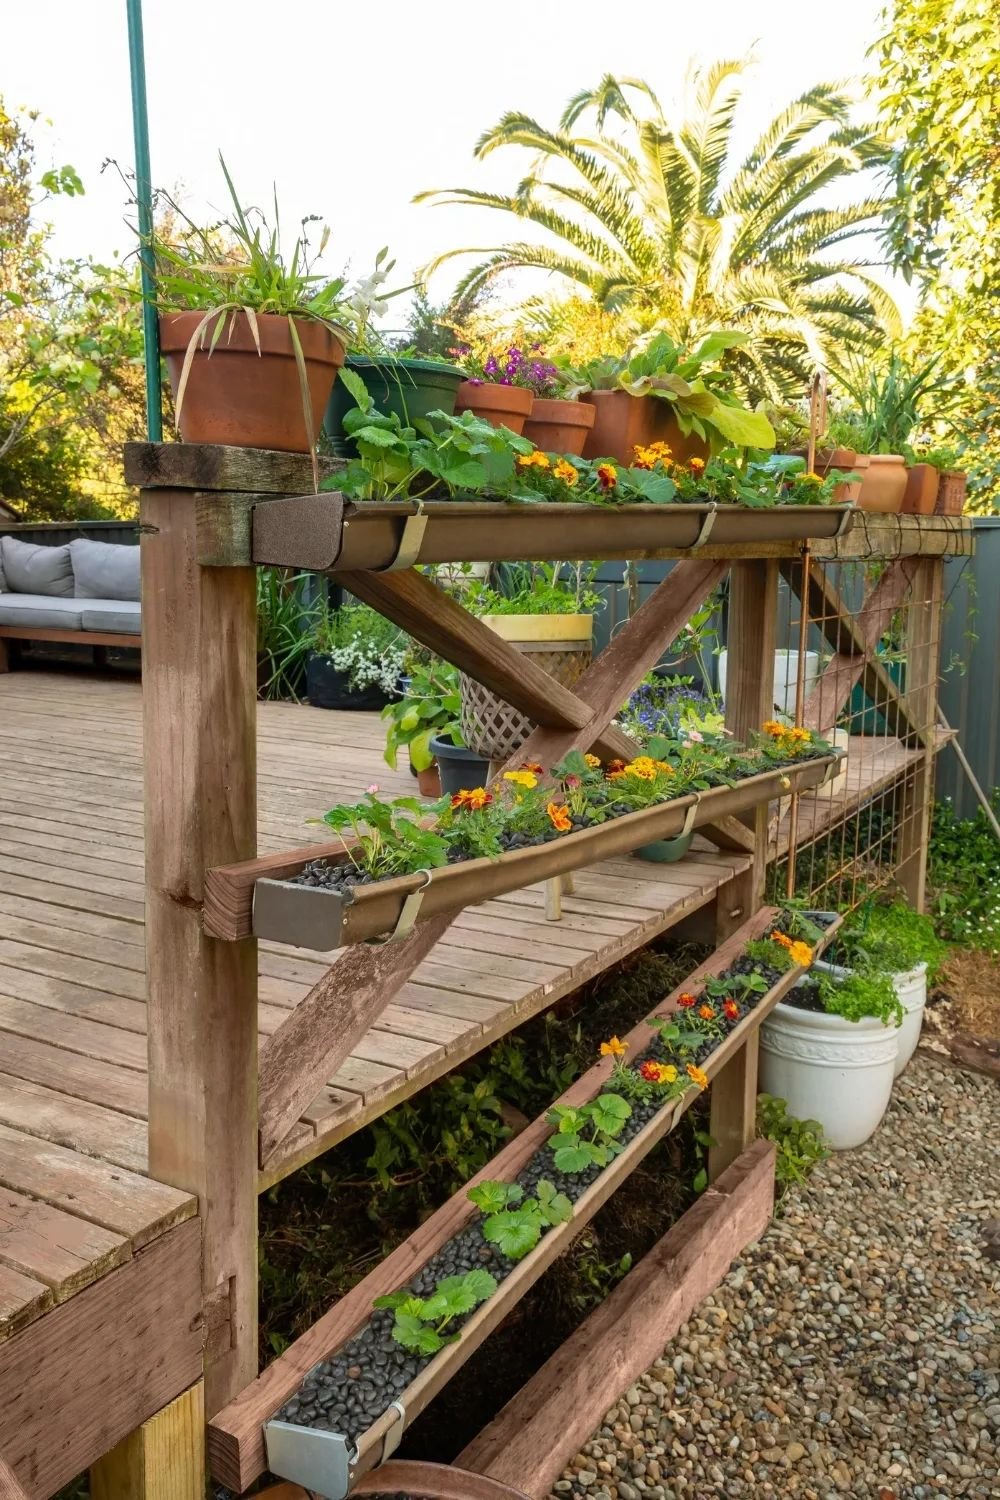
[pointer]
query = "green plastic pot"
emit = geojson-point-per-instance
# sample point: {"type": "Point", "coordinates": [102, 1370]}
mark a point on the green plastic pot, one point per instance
{"type": "Point", "coordinates": [411, 388]}
{"type": "Point", "coordinates": [865, 718]}
{"type": "Point", "coordinates": [665, 851]}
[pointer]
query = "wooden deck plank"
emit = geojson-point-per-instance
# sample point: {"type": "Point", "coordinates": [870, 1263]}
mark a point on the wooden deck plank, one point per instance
{"type": "Point", "coordinates": [55, 1248]}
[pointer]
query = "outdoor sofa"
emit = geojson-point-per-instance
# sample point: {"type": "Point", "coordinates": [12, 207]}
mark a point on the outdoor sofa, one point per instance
{"type": "Point", "coordinates": [83, 593]}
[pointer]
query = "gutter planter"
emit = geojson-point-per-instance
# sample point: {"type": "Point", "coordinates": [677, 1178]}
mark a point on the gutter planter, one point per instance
{"type": "Point", "coordinates": [367, 1384]}
{"type": "Point", "coordinates": [312, 916]}
{"type": "Point", "coordinates": [326, 533]}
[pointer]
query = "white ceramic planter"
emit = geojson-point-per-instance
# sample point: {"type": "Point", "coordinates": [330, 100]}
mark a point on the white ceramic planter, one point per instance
{"type": "Point", "coordinates": [911, 988]}
{"type": "Point", "coordinates": [831, 1070]}
{"type": "Point", "coordinates": [786, 674]}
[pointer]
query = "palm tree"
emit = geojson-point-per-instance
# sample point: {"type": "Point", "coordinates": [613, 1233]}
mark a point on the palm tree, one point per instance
{"type": "Point", "coordinates": [655, 221]}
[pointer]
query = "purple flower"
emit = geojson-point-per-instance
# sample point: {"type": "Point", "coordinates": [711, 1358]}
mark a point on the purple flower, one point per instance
{"type": "Point", "coordinates": [491, 367]}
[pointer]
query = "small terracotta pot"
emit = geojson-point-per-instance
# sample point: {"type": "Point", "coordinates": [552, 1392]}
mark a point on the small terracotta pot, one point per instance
{"type": "Point", "coordinates": [951, 493]}
{"type": "Point", "coordinates": [500, 405]}
{"type": "Point", "coordinates": [884, 484]}
{"type": "Point", "coordinates": [429, 781]}
{"type": "Point", "coordinates": [922, 482]}
{"type": "Point", "coordinates": [844, 458]}
{"type": "Point", "coordinates": [243, 399]}
{"type": "Point", "coordinates": [624, 423]}
{"type": "Point", "coordinates": [560, 426]}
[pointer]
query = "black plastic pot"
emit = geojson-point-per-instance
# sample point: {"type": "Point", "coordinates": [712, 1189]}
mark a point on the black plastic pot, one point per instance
{"type": "Point", "coordinates": [460, 769]}
{"type": "Point", "coordinates": [328, 688]}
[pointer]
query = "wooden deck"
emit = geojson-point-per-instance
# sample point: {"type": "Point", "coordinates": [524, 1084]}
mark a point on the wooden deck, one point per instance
{"type": "Point", "coordinates": [73, 1087]}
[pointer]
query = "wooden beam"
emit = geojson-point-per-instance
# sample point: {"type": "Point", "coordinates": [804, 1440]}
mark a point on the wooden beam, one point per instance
{"type": "Point", "coordinates": [854, 636]}
{"type": "Point", "coordinates": [9, 1487]}
{"type": "Point", "coordinates": [209, 466]}
{"type": "Point", "coordinates": [419, 606]}
{"type": "Point", "coordinates": [923, 637]}
{"type": "Point", "coordinates": [98, 1366]}
{"type": "Point", "coordinates": [164, 1459]}
{"type": "Point", "coordinates": [199, 734]}
{"type": "Point", "coordinates": [555, 1413]}
{"type": "Point", "coordinates": [751, 633]}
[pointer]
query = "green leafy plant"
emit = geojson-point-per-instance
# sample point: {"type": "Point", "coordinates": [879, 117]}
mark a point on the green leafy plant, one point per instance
{"type": "Point", "coordinates": [964, 878]}
{"type": "Point", "coordinates": [859, 996]}
{"type": "Point", "coordinates": [285, 620]}
{"type": "Point", "coordinates": [678, 1033]}
{"type": "Point", "coordinates": [421, 1322]}
{"type": "Point", "coordinates": [891, 937]}
{"type": "Point", "coordinates": [429, 709]}
{"type": "Point", "coordinates": [388, 838]}
{"type": "Point", "coordinates": [799, 1143]}
{"type": "Point", "coordinates": [557, 588]}
{"type": "Point", "coordinates": [514, 1223]}
{"type": "Point", "coordinates": [587, 1134]}
{"type": "Point", "coordinates": [894, 400]}
{"type": "Point", "coordinates": [770, 954]}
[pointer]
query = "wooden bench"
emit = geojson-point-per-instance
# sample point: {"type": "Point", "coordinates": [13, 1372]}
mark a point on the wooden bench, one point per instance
{"type": "Point", "coordinates": [65, 638]}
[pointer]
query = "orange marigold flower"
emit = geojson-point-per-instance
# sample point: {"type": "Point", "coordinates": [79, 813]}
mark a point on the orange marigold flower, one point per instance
{"type": "Point", "coordinates": [697, 1075]}
{"type": "Point", "coordinates": [782, 938]}
{"type": "Point", "coordinates": [533, 766]}
{"type": "Point", "coordinates": [707, 1012]}
{"type": "Point", "coordinates": [475, 799]}
{"type": "Point", "coordinates": [802, 954]}
{"type": "Point", "coordinates": [686, 1001]}
{"type": "Point", "coordinates": [559, 817]}
{"type": "Point", "coordinates": [536, 460]}
{"type": "Point", "coordinates": [566, 472]}
{"type": "Point", "coordinates": [730, 1010]}
{"type": "Point", "coordinates": [773, 728]}
{"type": "Point", "coordinates": [607, 474]}
{"type": "Point", "coordinates": [697, 464]}
{"type": "Point", "coordinates": [614, 1048]}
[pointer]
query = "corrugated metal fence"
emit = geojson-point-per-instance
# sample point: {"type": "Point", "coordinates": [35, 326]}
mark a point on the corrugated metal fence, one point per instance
{"type": "Point", "coordinates": [970, 652]}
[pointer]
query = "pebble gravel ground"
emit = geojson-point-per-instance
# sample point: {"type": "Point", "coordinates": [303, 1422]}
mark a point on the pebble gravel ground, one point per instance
{"type": "Point", "coordinates": [855, 1349]}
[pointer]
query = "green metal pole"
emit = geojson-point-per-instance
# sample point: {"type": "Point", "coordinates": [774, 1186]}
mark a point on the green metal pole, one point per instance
{"type": "Point", "coordinates": [144, 199]}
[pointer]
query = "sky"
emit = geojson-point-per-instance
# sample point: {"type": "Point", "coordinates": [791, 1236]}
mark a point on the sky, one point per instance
{"type": "Point", "coordinates": [351, 110]}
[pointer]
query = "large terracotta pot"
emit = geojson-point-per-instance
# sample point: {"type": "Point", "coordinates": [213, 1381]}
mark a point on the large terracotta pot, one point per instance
{"type": "Point", "coordinates": [951, 493]}
{"type": "Point", "coordinates": [243, 399]}
{"type": "Point", "coordinates": [560, 426]}
{"type": "Point", "coordinates": [624, 423]}
{"type": "Point", "coordinates": [884, 484]}
{"type": "Point", "coordinates": [921, 490]}
{"type": "Point", "coordinates": [500, 405]}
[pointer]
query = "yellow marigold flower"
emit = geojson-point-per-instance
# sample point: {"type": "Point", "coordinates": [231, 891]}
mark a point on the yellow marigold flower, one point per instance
{"type": "Point", "coordinates": [697, 1076]}
{"type": "Point", "coordinates": [593, 761]}
{"type": "Point", "coordinates": [697, 464]}
{"type": "Point", "coordinates": [668, 1073]}
{"type": "Point", "coordinates": [522, 778]}
{"type": "Point", "coordinates": [536, 460]}
{"type": "Point", "coordinates": [614, 1048]}
{"type": "Point", "coordinates": [772, 727]}
{"type": "Point", "coordinates": [566, 472]}
{"type": "Point", "coordinates": [801, 953]}
{"type": "Point", "coordinates": [607, 474]}
{"type": "Point", "coordinates": [662, 765]}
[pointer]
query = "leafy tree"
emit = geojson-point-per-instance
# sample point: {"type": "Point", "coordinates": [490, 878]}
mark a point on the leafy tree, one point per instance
{"type": "Point", "coordinates": [656, 223]}
{"type": "Point", "coordinates": [939, 72]}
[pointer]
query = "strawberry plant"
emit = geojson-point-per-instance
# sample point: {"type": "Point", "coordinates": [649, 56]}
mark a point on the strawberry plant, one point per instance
{"type": "Point", "coordinates": [586, 1135]}
{"type": "Point", "coordinates": [514, 1223]}
{"type": "Point", "coordinates": [421, 1321]}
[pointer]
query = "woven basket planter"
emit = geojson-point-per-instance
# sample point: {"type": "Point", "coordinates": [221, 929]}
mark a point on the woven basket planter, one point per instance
{"type": "Point", "coordinates": [560, 644]}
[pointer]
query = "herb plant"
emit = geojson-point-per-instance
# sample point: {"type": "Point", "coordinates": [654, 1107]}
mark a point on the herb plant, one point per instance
{"type": "Point", "coordinates": [799, 1143]}
{"type": "Point", "coordinates": [861, 995]}
{"type": "Point", "coordinates": [891, 937]}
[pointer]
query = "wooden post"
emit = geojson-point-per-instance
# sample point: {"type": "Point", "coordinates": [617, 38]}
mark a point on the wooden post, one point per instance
{"type": "Point", "coordinates": [163, 1460]}
{"type": "Point", "coordinates": [916, 801]}
{"type": "Point", "coordinates": [199, 731]}
{"type": "Point", "coordinates": [753, 604]}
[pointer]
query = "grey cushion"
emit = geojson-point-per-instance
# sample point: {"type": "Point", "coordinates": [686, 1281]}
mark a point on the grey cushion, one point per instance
{"type": "Point", "coordinates": [31, 569]}
{"type": "Point", "coordinates": [3, 581]}
{"type": "Point", "coordinates": [117, 616]}
{"type": "Point", "coordinates": [41, 611]}
{"type": "Point", "coordinates": [105, 570]}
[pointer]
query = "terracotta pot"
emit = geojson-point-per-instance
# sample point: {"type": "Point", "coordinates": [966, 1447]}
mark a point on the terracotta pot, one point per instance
{"type": "Point", "coordinates": [243, 399]}
{"type": "Point", "coordinates": [951, 493]}
{"type": "Point", "coordinates": [560, 426]}
{"type": "Point", "coordinates": [500, 405]}
{"type": "Point", "coordinates": [843, 458]}
{"type": "Point", "coordinates": [884, 484]}
{"type": "Point", "coordinates": [921, 490]}
{"type": "Point", "coordinates": [429, 782]}
{"type": "Point", "coordinates": [624, 423]}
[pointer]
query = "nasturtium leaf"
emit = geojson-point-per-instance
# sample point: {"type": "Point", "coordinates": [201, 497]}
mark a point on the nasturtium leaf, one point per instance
{"type": "Point", "coordinates": [747, 429]}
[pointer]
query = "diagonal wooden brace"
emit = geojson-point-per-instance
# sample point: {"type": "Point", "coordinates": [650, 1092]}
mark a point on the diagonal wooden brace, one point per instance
{"type": "Point", "coordinates": [299, 1058]}
{"type": "Point", "coordinates": [854, 636]}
